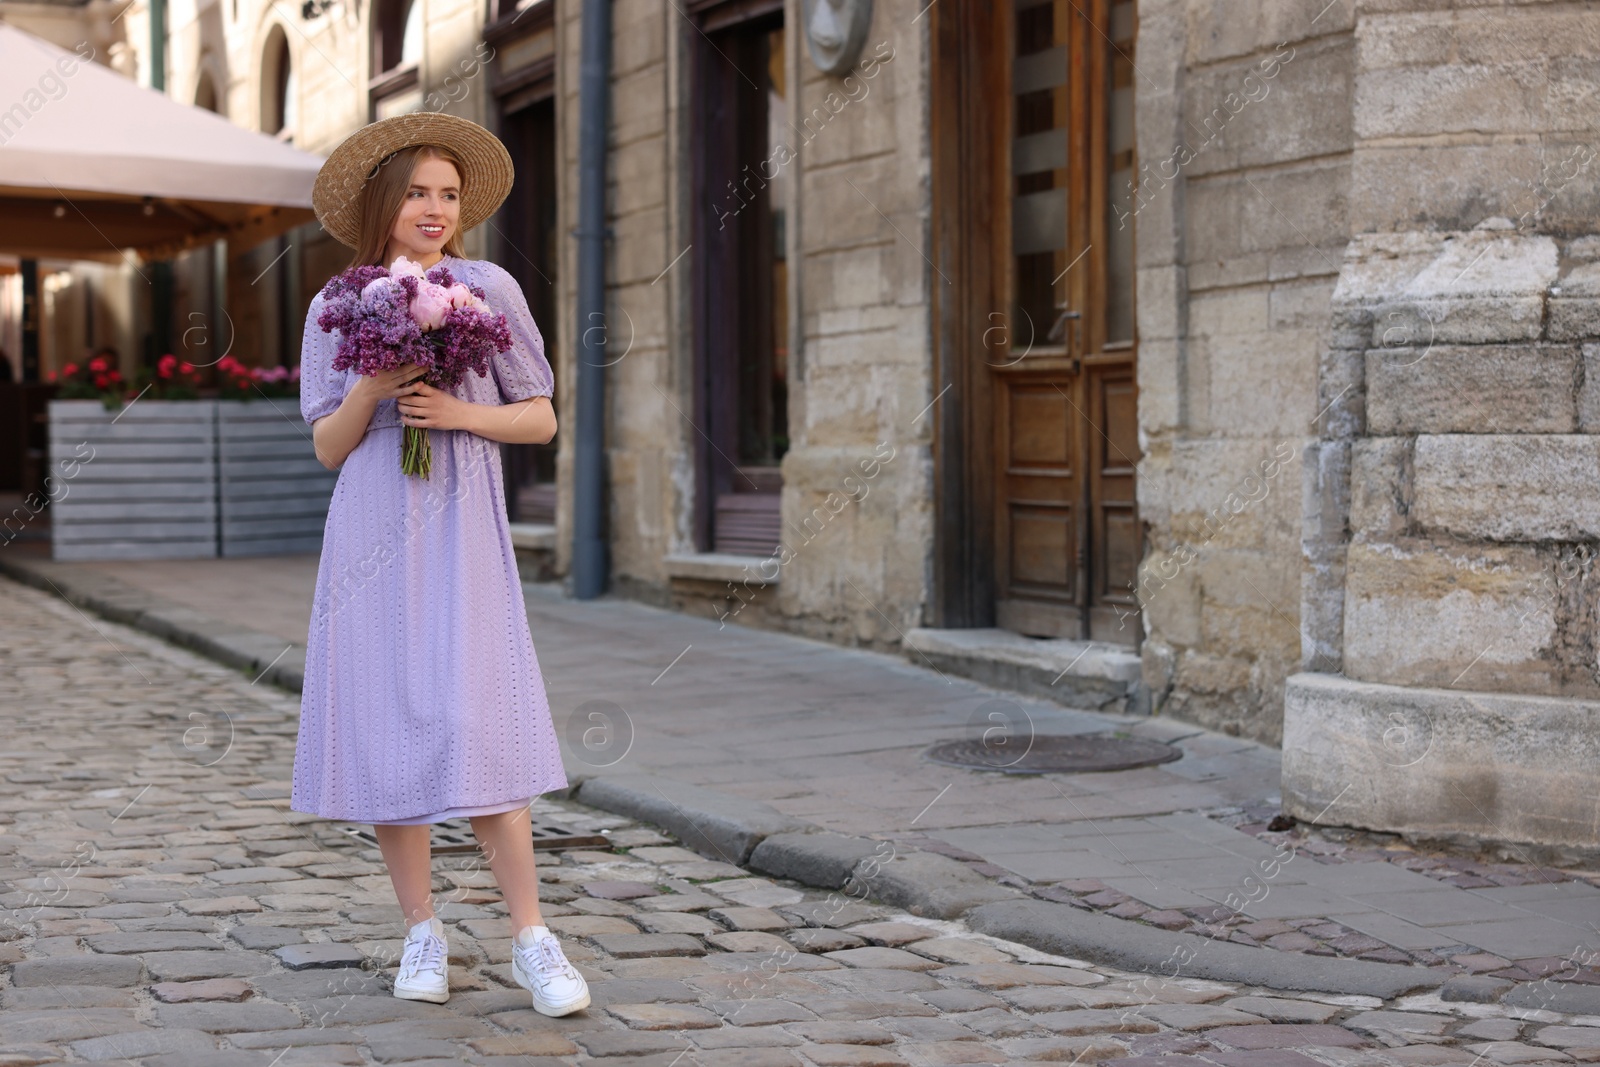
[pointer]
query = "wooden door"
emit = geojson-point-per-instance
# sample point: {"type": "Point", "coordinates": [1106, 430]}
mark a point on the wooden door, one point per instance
{"type": "Point", "coordinates": [1060, 349]}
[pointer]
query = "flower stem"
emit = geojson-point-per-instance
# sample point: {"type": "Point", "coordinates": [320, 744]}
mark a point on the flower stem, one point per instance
{"type": "Point", "coordinates": [416, 453]}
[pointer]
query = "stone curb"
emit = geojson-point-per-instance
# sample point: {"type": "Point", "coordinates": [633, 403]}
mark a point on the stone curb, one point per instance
{"type": "Point", "coordinates": [714, 824]}
{"type": "Point", "coordinates": [749, 833]}
{"type": "Point", "coordinates": [925, 883]}
{"type": "Point", "coordinates": [283, 662]}
{"type": "Point", "coordinates": [1068, 931]}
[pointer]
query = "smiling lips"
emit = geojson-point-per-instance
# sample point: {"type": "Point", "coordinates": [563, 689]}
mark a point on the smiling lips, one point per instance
{"type": "Point", "coordinates": [431, 231]}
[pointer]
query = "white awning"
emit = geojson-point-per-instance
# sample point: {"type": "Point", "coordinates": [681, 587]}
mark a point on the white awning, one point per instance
{"type": "Point", "coordinates": [92, 163]}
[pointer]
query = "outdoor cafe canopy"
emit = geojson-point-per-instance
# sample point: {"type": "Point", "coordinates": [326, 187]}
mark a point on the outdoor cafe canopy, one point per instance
{"type": "Point", "coordinates": [92, 163]}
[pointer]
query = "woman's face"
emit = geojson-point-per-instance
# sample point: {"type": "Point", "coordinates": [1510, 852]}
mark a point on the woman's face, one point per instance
{"type": "Point", "coordinates": [429, 213]}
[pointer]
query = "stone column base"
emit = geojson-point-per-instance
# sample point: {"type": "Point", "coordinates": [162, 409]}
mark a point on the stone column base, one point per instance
{"type": "Point", "coordinates": [1443, 763]}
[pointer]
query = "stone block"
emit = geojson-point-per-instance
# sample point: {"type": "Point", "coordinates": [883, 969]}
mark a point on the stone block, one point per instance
{"type": "Point", "coordinates": [1450, 98]}
{"type": "Point", "coordinates": [715, 824]}
{"type": "Point", "coordinates": [1261, 383]}
{"type": "Point", "coordinates": [156, 941]}
{"type": "Point", "coordinates": [233, 989]}
{"type": "Point", "coordinates": [227, 1018]}
{"type": "Point", "coordinates": [189, 966]}
{"type": "Point", "coordinates": [302, 957]}
{"type": "Point", "coordinates": [1451, 389]}
{"type": "Point", "coordinates": [147, 1043]}
{"type": "Point", "coordinates": [1573, 319]}
{"type": "Point", "coordinates": [1238, 232]}
{"type": "Point", "coordinates": [926, 884]}
{"type": "Point", "coordinates": [1445, 186]}
{"type": "Point", "coordinates": [1235, 116]}
{"type": "Point", "coordinates": [77, 970]}
{"type": "Point", "coordinates": [1525, 487]}
{"type": "Point", "coordinates": [1420, 613]}
{"type": "Point", "coordinates": [1379, 499]}
{"type": "Point", "coordinates": [634, 946]}
{"type": "Point", "coordinates": [1589, 394]}
{"type": "Point", "coordinates": [818, 859]}
{"type": "Point", "coordinates": [1405, 39]}
{"type": "Point", "coordinates": [1437, 762]}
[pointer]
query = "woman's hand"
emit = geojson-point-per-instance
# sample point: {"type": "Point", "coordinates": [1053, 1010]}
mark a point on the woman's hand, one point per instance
{"type": "Point", "coordinates": [433, 409]}
{"type": "Point", "coordinates": [389, 384]}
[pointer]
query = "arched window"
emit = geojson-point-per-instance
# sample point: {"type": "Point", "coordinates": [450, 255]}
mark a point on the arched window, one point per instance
{"type": "Point", "coordinates": [278, 89]}
{"type": "Point", "coordinates": [396, 57]}
{"type": "Point", "coordinates": [396, 35]}
{"type": "Point", "coordinates": [411, 37]}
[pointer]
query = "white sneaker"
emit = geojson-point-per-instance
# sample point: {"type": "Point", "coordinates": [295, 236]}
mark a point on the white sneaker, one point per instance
{"type": "Point", "coordinates": [425, 964]}
{"type": "Point", "coordinates": [539, 966]}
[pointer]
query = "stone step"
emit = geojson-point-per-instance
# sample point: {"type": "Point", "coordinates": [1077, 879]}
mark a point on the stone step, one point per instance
{"type": "Point", "coordinates": [1077, 674]}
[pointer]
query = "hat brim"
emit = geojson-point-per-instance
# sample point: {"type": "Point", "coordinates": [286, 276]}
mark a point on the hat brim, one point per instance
{"type": "Point", "coordinates": [336, 195]}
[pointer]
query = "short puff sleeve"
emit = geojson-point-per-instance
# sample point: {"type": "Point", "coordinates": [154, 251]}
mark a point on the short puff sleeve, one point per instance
{"type": "Point", "coordinates": [322, 389]}
{"type": "Point", "coordinates": [521, 371]}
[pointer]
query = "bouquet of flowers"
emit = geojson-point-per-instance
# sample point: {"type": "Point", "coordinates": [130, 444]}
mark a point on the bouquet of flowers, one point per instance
{"type": "Point", "coordinates": [387, 317]}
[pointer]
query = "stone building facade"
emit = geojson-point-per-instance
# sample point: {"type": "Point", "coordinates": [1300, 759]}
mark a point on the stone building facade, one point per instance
{"type": "Point", "coordinates": [1226, 360]}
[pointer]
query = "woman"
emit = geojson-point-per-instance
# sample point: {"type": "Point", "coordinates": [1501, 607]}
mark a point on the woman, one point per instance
{"type": "Point", "coordinates": [423, 699]}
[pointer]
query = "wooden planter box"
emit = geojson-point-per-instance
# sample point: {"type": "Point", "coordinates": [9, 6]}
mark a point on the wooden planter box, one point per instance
{"type": "Point", "coordinates": [184, 479]}
{"type": "Point", "coordinates": [139, 482]}
{"type": "Point", "coordinates": [272, 491]}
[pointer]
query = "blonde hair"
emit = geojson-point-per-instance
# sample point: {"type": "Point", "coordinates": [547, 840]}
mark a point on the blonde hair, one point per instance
{"type": "Point", "coordinates": [384, 193]}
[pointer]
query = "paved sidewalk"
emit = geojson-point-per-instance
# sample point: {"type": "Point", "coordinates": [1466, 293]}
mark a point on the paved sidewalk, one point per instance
{"type": "Point", "coordinates": [163, 907]}
{"type": "Point", "coordinates": [835, 737]}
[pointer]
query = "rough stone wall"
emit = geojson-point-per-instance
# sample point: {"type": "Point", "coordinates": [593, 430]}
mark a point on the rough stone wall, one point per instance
{"type": "Point", "coordinates": [1446, 528]}
{"type": "Point", "coordinates": [856, 559]}
{"type": "Point", "coordinates": [1450, 533]}
{"type": "Point", "coordinates": [863, 377]}
{"type": "Point", "coordinates": [1457, 463]}
{"type": "Point", "coordinates": [1244, 136]}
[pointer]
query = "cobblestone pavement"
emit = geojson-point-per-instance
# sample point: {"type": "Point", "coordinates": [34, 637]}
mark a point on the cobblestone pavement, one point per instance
{"type": "Point", "coordinates": [837, 737]}
{"type": "Point", "coordinates": [163, 906]}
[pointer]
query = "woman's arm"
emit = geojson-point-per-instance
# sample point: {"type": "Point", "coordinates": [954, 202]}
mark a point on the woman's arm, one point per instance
{"type": "Point", "coordinates": [336, 435]}
{"type": "Point", "coordinates": [530, 421]}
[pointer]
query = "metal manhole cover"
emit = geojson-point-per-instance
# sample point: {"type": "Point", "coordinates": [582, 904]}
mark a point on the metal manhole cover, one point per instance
{"type": "Point", "coordinates": [455, 835]}
{"type": "Point", "coordinates": [1054, 754]}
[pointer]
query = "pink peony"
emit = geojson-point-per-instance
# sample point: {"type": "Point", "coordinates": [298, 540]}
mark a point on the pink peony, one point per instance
{"type": "Point", "coordinates": [430, 306]}
{"type": "Point", "coordinates": [402, 265]}
{"type": "Point", "coordinates": [462, 297]}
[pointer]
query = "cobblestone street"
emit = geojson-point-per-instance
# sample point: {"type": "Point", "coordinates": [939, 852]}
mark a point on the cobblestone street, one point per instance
{"type": "Point", "coordinates": [163, 906]}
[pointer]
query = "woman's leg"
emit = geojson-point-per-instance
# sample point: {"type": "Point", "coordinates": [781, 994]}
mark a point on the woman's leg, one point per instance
{"type": "Point", "coordinates": [406, 852]}
{"type": "Point", "coordinates": [507, 841]}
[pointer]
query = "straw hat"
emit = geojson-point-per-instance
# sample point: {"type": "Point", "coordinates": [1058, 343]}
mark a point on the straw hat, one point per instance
{"type": "Point", "coordinates": [336, 196]}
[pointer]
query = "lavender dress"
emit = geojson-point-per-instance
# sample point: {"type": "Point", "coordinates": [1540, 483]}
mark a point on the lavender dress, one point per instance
{"type": "Point", "coordinates": [423, 698]}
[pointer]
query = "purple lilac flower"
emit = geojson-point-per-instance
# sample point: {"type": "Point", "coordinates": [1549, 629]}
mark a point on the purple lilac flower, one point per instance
{"type": "Point", "coordinates": [380, 333]}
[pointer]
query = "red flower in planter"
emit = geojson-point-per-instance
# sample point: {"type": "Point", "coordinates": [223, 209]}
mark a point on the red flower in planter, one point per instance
{"type": "Point", "coordinates": [166, 365]}
{"type": "Point", "coordinates": [101, 380]}
{"type": "Point", "coordinates": [98, 364]}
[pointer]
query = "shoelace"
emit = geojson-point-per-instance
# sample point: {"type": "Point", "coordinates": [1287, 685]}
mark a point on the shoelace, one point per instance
{"type": "Point", "coordinates": [425, 954]}
{"type": "Point", "coordinates": [547, 958]}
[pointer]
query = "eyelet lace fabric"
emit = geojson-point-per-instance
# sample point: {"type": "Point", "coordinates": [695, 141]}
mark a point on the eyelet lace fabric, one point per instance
{"type": "Point", "coordinates": [422, 689]}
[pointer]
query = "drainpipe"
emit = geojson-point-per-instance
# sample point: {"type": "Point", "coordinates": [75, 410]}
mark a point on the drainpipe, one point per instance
{"type": "Point", "coordinates": [590, 566]}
